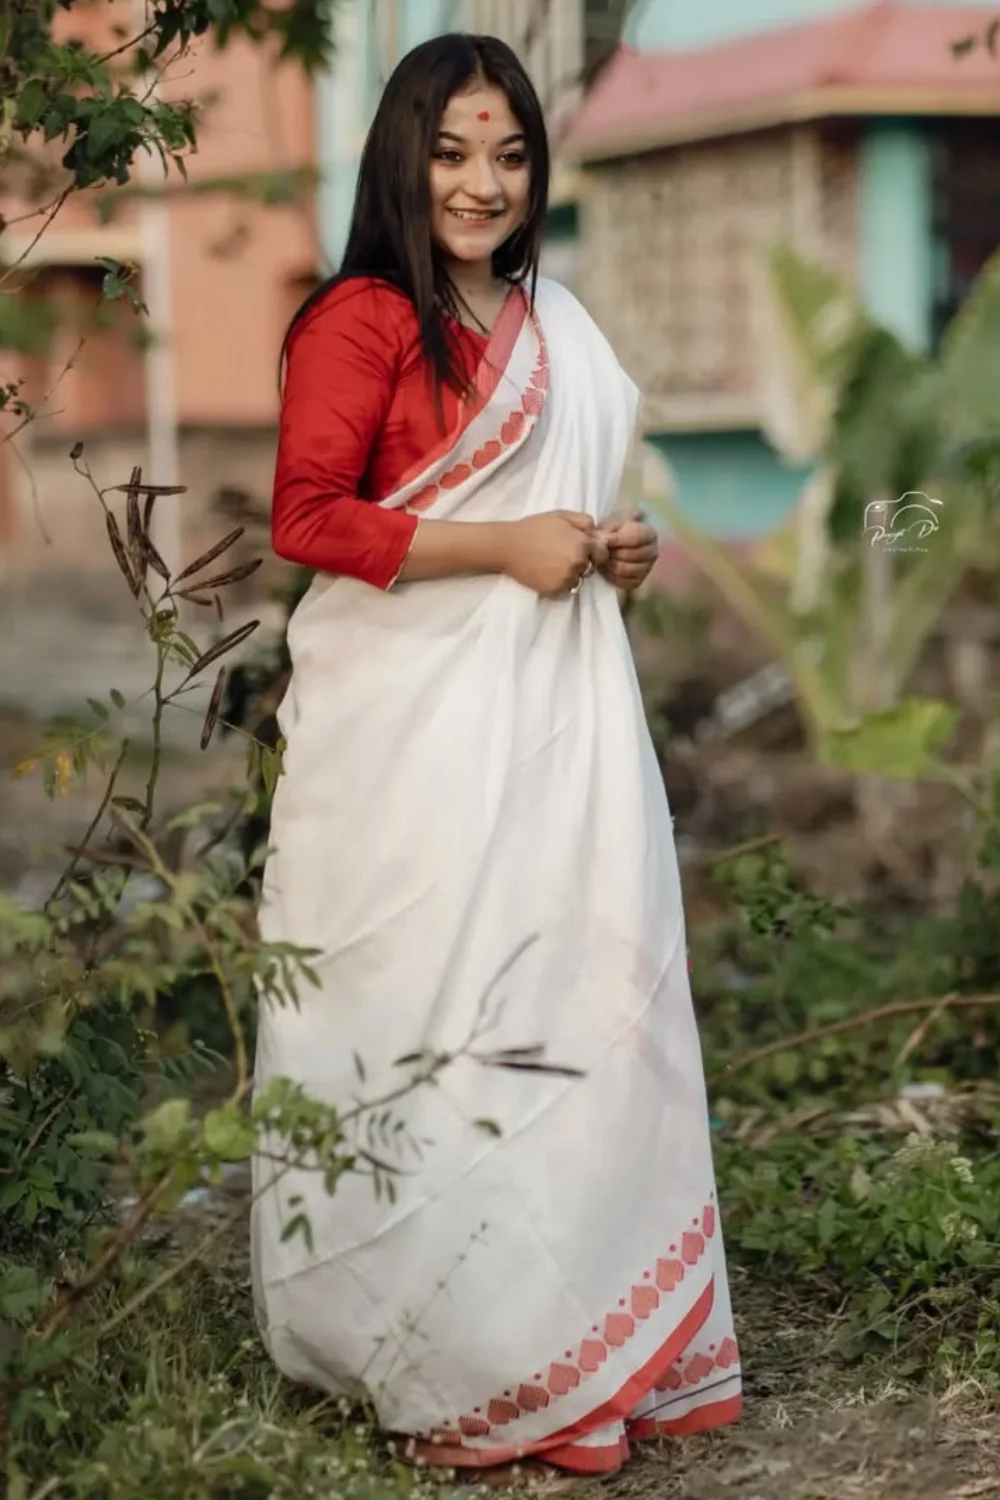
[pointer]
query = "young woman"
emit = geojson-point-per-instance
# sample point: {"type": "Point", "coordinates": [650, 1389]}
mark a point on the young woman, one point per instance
{"type": "Point", "coordinates": [472, 833]}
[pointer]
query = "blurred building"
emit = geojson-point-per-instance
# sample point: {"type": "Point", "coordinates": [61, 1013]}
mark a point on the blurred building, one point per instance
{"type": "Point", "coordinates": [191, 392]}
{"type": "Point", "coordinates": [853, 131]}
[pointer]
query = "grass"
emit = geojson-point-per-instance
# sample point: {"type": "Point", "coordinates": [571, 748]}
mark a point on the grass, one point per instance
{"type": "Point", "coordinates": [187, 1406]}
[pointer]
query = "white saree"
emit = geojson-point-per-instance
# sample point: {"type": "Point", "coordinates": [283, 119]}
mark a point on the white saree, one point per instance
{"type": "Point", "coordinates": [470, 791]}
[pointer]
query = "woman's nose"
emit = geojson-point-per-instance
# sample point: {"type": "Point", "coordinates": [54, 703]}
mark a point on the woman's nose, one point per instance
{"type": "Point", "coordinates": [482, 181]}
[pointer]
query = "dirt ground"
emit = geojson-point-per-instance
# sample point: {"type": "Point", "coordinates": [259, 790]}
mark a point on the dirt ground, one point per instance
{"type": "Point", "coordinates": [882, 1450]}
{"type": "Point", "coordinates": [814, 1431]}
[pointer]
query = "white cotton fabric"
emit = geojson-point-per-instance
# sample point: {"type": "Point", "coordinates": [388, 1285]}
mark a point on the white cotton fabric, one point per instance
{"type": "Point", "coordinates": [470, 791]}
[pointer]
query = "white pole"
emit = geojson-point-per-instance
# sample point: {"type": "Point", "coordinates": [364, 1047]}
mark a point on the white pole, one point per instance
{"type": "Point", "coordinates": [161, 399]}
{"type": "Point", "coordinates": [161, 403]}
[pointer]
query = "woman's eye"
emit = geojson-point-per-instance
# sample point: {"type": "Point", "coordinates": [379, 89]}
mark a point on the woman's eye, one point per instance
{"type": "Point", "coordinates": [514, 159]}
{"type": "Point", "coordinates": [450, 156]}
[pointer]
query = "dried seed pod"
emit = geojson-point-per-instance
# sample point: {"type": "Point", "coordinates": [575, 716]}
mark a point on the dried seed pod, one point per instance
{"type": "Point", "coordinates": [151, 490]}
{"type": "Point", "coordinates": [132, 516]}
{"type": "Point", "coordinates": [234, 575]}
{"type": "Point", "coordinates": [154, 559]}
{"type": "Point", "coordinates": [121, 556]}
{"type": "Point", "coordinates": [212, 714]}
{"type": "Point", "coordinates": [220, 648]}
{"type": "Point", "coordinates": [212, 553]}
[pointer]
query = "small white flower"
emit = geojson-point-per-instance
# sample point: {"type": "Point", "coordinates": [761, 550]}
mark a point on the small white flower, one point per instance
{"type": "Point", "coordinates": [956, 1227]}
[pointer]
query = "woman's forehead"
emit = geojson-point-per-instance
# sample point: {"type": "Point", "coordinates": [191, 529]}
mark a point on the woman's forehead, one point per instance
{"type": "Point", "coordinates": [483, 108]}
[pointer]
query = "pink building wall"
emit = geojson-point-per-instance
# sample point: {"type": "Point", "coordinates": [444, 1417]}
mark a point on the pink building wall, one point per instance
{"type": "Point", "coordinates": [237, 269]}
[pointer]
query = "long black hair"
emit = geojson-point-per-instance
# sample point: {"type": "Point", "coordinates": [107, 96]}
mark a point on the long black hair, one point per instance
{"type": "Point", "coordinates": [390, 234]}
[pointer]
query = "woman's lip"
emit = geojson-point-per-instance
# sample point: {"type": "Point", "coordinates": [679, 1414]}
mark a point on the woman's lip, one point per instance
{"type": "Point", "coordinates": [471, 216]}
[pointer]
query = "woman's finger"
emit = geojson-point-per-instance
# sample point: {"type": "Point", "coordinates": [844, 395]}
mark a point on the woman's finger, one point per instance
{"type": "Point", "coordinates": [632, 534]}
{"type": "Point", "coordinates": [633, 560]}
{"type": "Point", "coordinates": [627, 578]}
{"type": "Point", "coordinates": [599, 554]}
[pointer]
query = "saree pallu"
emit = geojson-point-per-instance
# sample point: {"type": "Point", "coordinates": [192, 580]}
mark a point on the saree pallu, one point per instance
{"type": "Point", "coordinates": [471, 829]}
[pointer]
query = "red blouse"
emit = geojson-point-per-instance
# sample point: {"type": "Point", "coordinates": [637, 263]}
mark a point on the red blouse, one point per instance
{"type": "Point", "coordinates": [358, 413]}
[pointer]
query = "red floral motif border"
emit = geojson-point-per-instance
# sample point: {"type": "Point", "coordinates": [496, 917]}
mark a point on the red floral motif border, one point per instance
{"type": "Point", "coordinates": [696, 1369]}
{"type": "Point", "coordinates": [511, 430]}
{"type": "Point", "coordinates": [619, 1326]}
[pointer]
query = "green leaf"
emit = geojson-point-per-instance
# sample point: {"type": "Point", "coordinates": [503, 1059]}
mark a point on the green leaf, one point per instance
{"type": "Point", "coordinates": [98, 708]}
{"type": "Point", "coordinates": [194, 816]}
{"type": "Point", "coordinates": [106, 129]}
{"type": "Point", "coordinates": [299, 1225]}
{"type": "Point", "coordinates": [31, 103]}
{"type": "Point", "coordinates": [129, 804]}
{"type": "Point", "coordinates": [899, 742]}
{"type": "Point", "coordinates": [117, 698]}
{"type": "Point", "coordinates": [826, 1221]}
{"type": "Point", "coordinates": [167, 1126]}
{"type": "Point", "coordinates": [271, 766]}
{"type": "Point", "coordinates": [970, 356]}
{"type": "Point", "coordinates": [229, 1133]}
{"type": "Point", "coordinates": [98, 1142]}
{"type": "Point", "coordinates": [22, 1293]}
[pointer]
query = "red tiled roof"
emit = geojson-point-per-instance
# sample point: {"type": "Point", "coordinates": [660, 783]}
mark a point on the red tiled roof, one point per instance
{"type": "Point", "coordinates": [870, 60]}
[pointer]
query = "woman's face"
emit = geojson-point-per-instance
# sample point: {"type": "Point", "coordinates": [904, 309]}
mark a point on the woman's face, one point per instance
{"type": "Point", "coordinates": [480, 176]}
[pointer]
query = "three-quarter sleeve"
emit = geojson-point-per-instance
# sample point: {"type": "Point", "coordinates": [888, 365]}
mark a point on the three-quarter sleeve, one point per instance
{"type": "Point", "coordinates": [342, 365]}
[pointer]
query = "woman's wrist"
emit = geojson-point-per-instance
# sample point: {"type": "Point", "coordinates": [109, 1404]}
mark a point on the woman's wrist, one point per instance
{"type": "Point", "coordinates": [498, 539]}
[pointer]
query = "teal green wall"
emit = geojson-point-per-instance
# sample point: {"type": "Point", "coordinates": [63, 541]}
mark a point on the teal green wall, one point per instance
{"type": "Point", "coordinates": [683, 23]}
{"type": "Point", "coordinates": [347, 95]}
{"type": "Point", "coordinates": [731, 484]}
{"type": "Point", "coordinates": [896, 228]}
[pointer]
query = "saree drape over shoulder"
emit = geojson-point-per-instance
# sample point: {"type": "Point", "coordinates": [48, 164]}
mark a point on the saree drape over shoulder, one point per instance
{"type": "Point", "coordinates": [471, 829]}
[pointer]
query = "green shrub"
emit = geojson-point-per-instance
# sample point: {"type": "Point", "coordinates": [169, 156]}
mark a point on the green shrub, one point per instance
{"type": "Point", "coordinates": [908, 1233]}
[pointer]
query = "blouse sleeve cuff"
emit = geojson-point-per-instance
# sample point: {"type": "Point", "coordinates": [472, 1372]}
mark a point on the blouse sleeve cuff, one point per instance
{"type": "Point", "coordinates": [396, 555]}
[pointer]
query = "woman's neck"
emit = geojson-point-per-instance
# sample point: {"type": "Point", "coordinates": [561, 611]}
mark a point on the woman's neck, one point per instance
{"type": "Point", "coordinates": [480, 294]}
{"type": "Point", "coordinates": [474, 280]}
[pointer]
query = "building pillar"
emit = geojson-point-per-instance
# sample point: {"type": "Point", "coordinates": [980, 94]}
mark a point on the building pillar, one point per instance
{"type": "Point", "coordinates": [896, 257]}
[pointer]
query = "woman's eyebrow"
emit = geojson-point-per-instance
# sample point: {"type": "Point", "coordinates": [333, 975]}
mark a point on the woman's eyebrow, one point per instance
{"type": "Point", "coordinates": [450, 135]}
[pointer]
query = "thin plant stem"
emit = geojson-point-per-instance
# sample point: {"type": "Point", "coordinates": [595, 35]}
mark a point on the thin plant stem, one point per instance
{"type": "Point", "coordinates": [80, 852]}
{"type": "Point", "coordinates": [156, 753]}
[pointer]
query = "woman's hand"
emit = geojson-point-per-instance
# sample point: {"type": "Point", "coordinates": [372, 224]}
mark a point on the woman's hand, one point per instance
{"type": "Point", "coordinates": [633, 547]}
{"type": "Point", "coordinates": [551, 553]}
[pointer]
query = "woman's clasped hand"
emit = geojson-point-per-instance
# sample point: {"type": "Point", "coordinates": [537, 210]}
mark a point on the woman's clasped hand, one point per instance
{"type": "Point", "coordinates": [554, 552]}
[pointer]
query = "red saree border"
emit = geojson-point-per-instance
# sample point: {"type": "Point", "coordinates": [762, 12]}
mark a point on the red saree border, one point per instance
{"type": "Point", "coordinates": [445, 1445]}
{"type": "Point", "coordinates": [695, 1369]}
{"type": "Point", "coordinates": [496, 356]}
{"type": "Point", "coordinates": [509, 432]}
{"type": "Point", "coordinates": [704, 1418]}
{"type": "Point", "coordinates": [615, 1409]}
{"type": "Point", "coordinates": [607, 1459]}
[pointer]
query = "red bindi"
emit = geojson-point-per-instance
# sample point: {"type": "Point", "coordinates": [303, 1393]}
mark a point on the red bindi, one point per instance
{"type": "Point", "coordinates": [483, 114]}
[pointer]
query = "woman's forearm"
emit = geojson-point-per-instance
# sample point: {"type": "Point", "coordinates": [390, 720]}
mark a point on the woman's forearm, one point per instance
{"type": "Point", "coordinates": [446, 549]}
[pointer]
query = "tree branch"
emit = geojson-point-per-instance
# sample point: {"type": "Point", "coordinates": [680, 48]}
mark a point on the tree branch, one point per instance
{"type": "Point", "coordinates": [853, 1023]}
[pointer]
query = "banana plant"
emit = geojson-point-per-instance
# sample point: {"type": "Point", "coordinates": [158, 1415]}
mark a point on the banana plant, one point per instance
{"type": "Point", "coordinates": [845, 611]}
